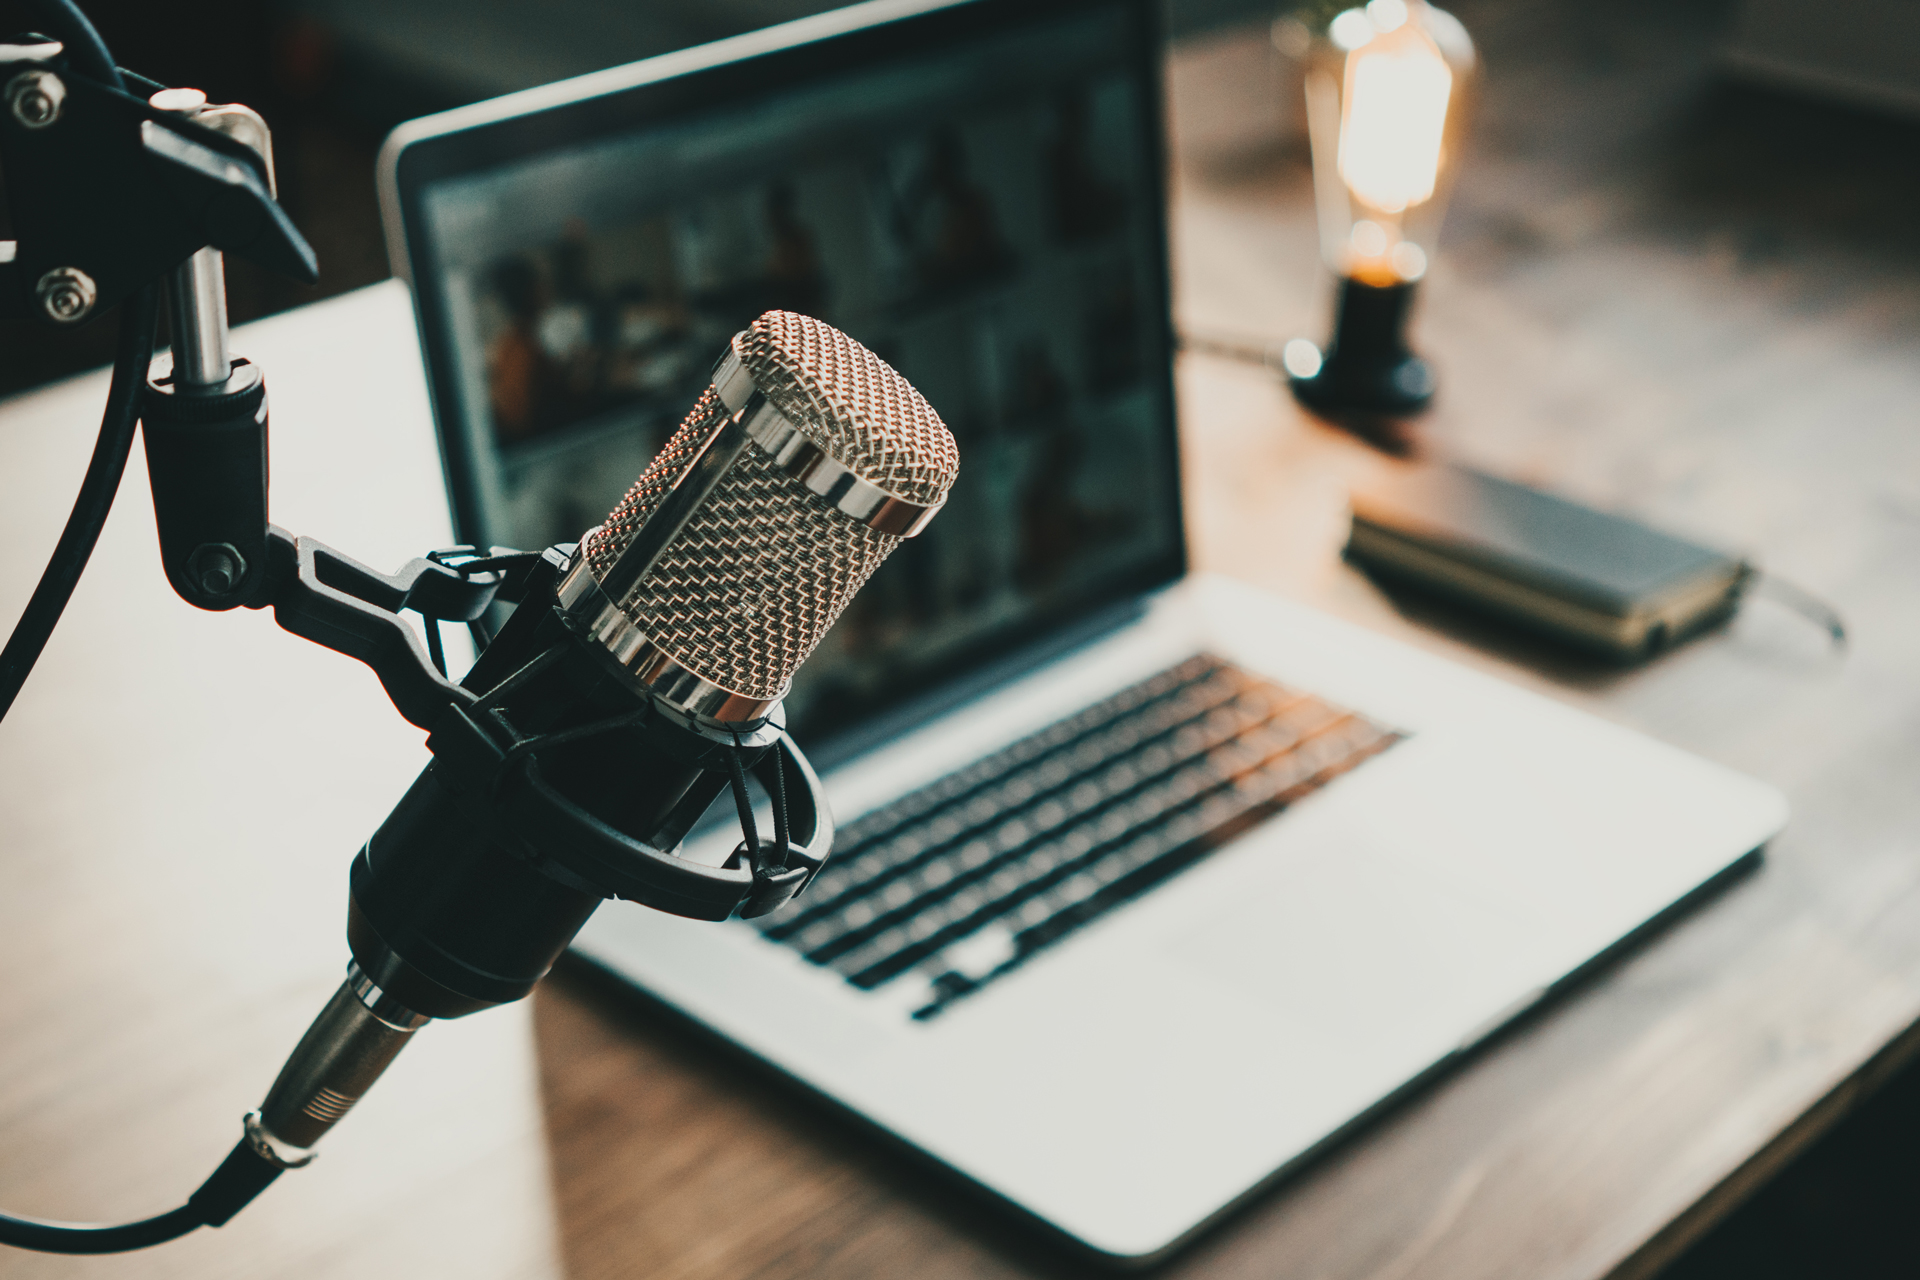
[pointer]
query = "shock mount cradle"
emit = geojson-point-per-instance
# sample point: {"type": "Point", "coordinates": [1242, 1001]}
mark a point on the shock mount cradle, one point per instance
{"type": "Point", "coordinates": [108, 190]}
{"type": "Point", "coordinates": [488, 734]}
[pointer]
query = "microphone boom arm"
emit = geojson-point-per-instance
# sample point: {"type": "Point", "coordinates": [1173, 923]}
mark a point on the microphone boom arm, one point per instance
{"type": "Point", "coordinates": [557, 782]}
{"type": "Point", "coordinates": [321, 595]}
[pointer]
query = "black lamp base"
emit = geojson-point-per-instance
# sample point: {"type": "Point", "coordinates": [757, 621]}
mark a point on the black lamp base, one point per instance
{"type": "Point", "coordinates": [1367, 371]}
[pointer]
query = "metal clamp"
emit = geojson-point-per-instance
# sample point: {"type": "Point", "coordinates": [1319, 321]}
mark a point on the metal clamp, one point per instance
{"type": "Point", "coordinates": [339, 603]}
{"type": "Point", "coordinates": [107, 191]}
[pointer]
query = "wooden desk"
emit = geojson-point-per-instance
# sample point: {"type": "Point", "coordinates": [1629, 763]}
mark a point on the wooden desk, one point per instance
{"type": "Point", "coordinates": [1623, 311]}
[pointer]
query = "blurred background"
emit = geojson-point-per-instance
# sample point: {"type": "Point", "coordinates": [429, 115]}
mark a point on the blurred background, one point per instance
{"type": "Point", "coordinates": [1776, 144]}
{"type": "Point", "coordinates": [1767, 119]}
{"type": "Point", "coordinates": [333, 77]}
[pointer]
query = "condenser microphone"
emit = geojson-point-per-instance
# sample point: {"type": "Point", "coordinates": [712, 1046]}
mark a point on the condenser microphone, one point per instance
{"type": "Point", "coordinates": [640, 678]}
{"type": "Point", "coordinates": [801, 468]}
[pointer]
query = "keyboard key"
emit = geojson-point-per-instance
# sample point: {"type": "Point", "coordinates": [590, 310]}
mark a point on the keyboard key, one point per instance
{"type": "Point", "coordinates": [940, 891]}
{"type": "Point", "coordinates": [982, 952]}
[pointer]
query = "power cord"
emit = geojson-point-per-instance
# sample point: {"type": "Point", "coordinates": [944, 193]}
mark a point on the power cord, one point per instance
{"type": "Point", "coordinates": [138, 316]}
{"type": "Point", "coordinates": [244, 1174]}
{"type": "Point", "coordinates": [1803, 602]}
{"type": "Point", "coordinates": [1245, 350]}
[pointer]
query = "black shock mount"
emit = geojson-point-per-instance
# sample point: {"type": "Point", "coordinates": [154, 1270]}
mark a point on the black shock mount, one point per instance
{"type": "Point", "coordinates": [553, 787]}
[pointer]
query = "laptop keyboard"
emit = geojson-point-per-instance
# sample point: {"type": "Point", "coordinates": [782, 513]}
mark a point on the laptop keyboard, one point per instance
{"type": "Point", "coordinates": [960, 881]}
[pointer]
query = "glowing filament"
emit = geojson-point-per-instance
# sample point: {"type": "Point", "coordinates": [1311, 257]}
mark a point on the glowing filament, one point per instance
{"type": "Point", "coordinates": [1395, 111]}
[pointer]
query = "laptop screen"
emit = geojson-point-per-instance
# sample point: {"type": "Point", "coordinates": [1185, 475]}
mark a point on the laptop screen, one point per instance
{"type": "Point", "coordinates": [983, 212]}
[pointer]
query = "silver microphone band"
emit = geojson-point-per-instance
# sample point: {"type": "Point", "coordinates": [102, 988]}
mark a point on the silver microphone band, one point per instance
{"type": "Point", "coordinates": [594, 615]}
{"type": "Point", "coordinates": [800, 457]}
{"type": "Point", "coordinates": [591, 605]}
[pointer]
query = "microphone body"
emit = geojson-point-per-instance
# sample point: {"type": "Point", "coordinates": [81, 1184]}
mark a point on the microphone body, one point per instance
{"type": "Point", "coordinates": [465, 896]}
{"type": "Point", "coordinates": [640, 677]}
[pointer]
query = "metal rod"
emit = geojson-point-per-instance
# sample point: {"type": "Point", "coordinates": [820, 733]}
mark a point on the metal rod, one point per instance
{"type": "Point", "coordinates": [197, 290]}
{"type": "Point", "coordinates": [197, 312]}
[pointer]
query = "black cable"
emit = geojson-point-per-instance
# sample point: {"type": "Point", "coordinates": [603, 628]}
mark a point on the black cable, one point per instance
{"type": "Point", "coordinates": [243, 1175]}
{"type": "Point", "coordinates": [76, 1237]}
{"type": "Point", "coordinates": [135, 350]}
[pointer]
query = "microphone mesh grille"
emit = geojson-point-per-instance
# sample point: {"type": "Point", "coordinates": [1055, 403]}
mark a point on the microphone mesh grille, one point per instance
{"type": "Point", "coordinates": [852, 404]}
{"type": "Point", "coordinates": [763, 568]}
{"type": "Point", "coordinates": [604, 545]}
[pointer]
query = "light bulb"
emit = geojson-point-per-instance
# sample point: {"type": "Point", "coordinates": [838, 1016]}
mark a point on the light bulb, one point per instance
{"type": "Point", "coordinates": [1389, 86]}
{"type": "Point", "coordinates": [1393, 119]}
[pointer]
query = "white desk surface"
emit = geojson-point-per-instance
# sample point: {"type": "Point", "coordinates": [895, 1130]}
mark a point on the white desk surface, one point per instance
{"type": "Point", "coordinates": [180, 795]}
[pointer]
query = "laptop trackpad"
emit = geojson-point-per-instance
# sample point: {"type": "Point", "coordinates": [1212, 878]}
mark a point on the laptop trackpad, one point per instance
{"type": "Point", "coordinates": [1367, 947]}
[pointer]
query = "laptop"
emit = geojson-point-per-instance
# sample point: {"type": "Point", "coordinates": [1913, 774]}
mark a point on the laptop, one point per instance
{"type": "Point", "coordinates": [1149, 886]}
